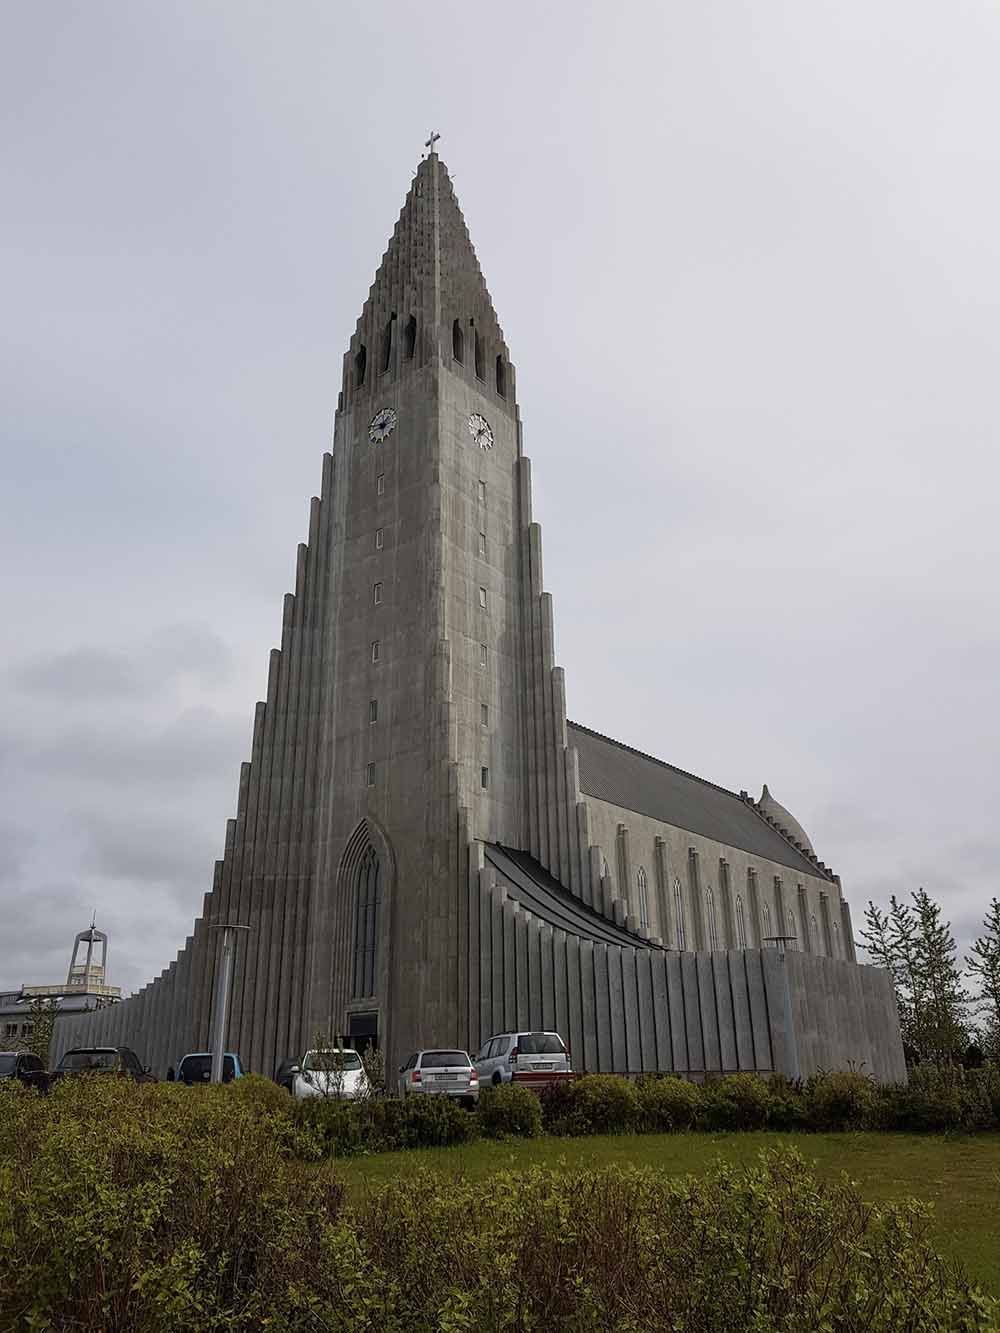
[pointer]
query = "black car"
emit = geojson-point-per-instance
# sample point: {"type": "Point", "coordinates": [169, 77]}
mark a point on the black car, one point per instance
{"type": "Point", "coordinates": [103, 1060]}
{"type": "Point", "coordinates": [26, 1067]}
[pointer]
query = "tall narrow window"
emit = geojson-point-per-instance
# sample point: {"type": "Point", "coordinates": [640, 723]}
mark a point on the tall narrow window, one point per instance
{"type": "Point", "coordinates": [482, 492]}
{"type": "Point", "coordinates": [376, 650]}
{"type": "Point", "coordinates": [377, 594]}
{"type": "Point", "coordinates": [482, 543]}
{"type": "Point", "coordinates": [766, 914]}
{"type": "Point", "coordinates": [643, 899]}
{"type": "Point", "coordinates": [836, 940]}
{"type": "Point", "coordinates": [379, 539]}
{"type": "Point", "coordinates": [501, 377]}
{"type": "Point", "coordinates": [741, 924]}
{"type": "Point", "coordinates": [372, 710]}
{"type": "Point", "coordinates": [679, 915]}
{"type": "Point", "coordinates": [482, 598]}
{"type": "Point", "coordinates": [380, 484]}
{"type": "Point", "coordinates": [814, 934]}
{"type": "Point", "coordinates": [367, 896]}
{"type": "Point", "coordinates": [457, 342]}
{"type": "Point", "coordinates": [370, 775]}
{"type": "Point", "coordinates": [410, 338]}
{"type": "Point", "coordinates": [713, 925]}
{"type": "Point", "coordinates": [360, 365]}
{"type": "Point", "coordinates": [484, 778]}
{"type": "Point", "coordinates": [478, 350]}
{"type": "Point", "coordinates": [387, 343]}
{"type": "Point", "coordinates": [484, 715]}
{"type": "Point", "coordinates": [790, 928]}
{"type": "Point", "coordinates": [484, 654]}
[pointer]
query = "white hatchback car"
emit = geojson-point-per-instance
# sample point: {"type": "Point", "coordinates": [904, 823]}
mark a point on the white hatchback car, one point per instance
{"type": "Point", "coordinates": [334, 1073]}
{"type": "Point", "coordinates": [500, 1058]}
{"type": "Point", "coordinates": [447, 1073]}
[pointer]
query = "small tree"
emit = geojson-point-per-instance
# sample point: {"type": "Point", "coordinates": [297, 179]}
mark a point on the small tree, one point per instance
{"type": "Point", "coordinates": [43, 1021]}
{"type": "Point", "coordinates": [919, 951]}
{"type": "Point", "coordinates": [984, 965]}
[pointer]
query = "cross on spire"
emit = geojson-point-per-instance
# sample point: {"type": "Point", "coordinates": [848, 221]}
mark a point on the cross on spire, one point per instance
{"type": "Point", "coordinates": [432, 141]}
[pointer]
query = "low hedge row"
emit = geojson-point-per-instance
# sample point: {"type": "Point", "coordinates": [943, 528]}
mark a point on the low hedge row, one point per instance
{"type": "Point", "coordinates": [155, 1208]}
{"type": "Point", "coordinates": [935, 1099]}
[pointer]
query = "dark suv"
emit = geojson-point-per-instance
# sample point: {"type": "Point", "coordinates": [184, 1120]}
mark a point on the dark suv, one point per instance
{"type": "Point", "coordinates": [26, 1067]}
{"type": "Point", "coordinates": [102, 1060]}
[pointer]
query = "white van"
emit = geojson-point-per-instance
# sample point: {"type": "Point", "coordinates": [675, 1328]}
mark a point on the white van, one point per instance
{"type": "Point", "coordinates": [500, 1058]}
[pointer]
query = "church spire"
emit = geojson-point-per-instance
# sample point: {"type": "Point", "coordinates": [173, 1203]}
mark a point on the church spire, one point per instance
{"type": "Point", "coordinates": [429, 300]}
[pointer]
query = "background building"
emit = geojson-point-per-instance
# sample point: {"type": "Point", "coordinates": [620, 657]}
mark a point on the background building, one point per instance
{"type": "Point", "coordinates": [84, 990]}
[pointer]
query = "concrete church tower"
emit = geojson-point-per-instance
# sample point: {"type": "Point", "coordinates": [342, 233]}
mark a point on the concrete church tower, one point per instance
{"type": "Point", "coordinates": [425, 849]}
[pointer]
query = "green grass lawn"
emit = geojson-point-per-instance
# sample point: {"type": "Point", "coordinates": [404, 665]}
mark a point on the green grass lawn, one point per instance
{"type": "Point", "coordinates": [959, 1176]}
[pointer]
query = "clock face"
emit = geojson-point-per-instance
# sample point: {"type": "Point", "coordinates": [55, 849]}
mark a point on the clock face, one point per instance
{"type": "Point", "coordinates": [382, 424]}
{"type": "Point", "coordinates": [479, 429]}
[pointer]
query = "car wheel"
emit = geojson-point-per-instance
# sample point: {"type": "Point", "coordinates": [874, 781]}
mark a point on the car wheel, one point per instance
{"type": "Point", "coordinates": [497, 1079]}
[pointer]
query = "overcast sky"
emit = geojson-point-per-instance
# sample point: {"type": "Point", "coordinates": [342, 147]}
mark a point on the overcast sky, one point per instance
{"type": "Point", "coordinates": [746, 261]}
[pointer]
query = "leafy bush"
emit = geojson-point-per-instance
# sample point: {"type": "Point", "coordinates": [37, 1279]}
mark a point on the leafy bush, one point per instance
{"type": "Point", "coordinates": [667, 1104]}
{"type": "Point", "coordinates": [736, 1101]}
{"type": "Point", "coordinates": [942, 1098]}
{"type": "Point", "coordinates": [840, 1100]}
{"type": "Point", "coordinates": [127, 1207]}
{"type": "Point", "coordinates": [603, 1104]}
{"type": "Point", "coordinates": [261, 1094]}
{"type": "Point", "coordinates": [788, 1109]}
{"type": "Point", "coordinates": [509, 1110]}
{"type": "Point", "coordinates": [343, 1128]}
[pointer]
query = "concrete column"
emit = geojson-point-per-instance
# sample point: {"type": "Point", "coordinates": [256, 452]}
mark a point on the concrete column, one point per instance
{"type": "Point", "coordinates": [697, 905]}
{"type": "Point", "coordinates": [726, 894]}
{"type": "Point", "coordinates": [757, 927]}
{"type": "Point", "coordinates": [848, 930]}
{"type": "Point", "coordinates": [661, 880]}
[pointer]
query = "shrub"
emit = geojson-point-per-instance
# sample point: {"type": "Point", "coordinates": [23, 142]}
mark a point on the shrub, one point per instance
{"type": "Point", "coordinates": [127, 1206]}
{"type": "Point", "coordinates": [840, 1100]}
{"type": "Point", "coordinates": [667, 1104]}
{"type": "Point", "coordinates": [788, 1109]}
{"type": "Point", "coordinates": [556, 1101]}
{"type": "Point", "coordinates": [942, 1098]}
{"type": "Point", "coordinates": [509, 1110]}
{"type": "Point", "coordinates": [344, 1129]}
{"type": "Point", "coordinates": [261, 1094]}
{"type": "Point", "coordinates": [603, 1104]}
{"type": "Point", "coordinates": [736, 1101]}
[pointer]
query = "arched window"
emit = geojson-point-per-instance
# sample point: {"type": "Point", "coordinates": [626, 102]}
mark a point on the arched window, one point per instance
{"type": "Point", "coordinates": [836, 940]}
{"type": "Point", "coordinates": [410, 338]}
{"type": "Point", "coordinates": [478, 353]}
{"type": "Point", "coordinates": [360, 365]}
{"type": "Point", "coordinates": [387, 343]}
{"type": "Point", "coordinates": [713, 925]}
{"type": "Point", "coordinates": [458, 342]}
{"type": "Point", "coordinates": [814, 933]}
{"type": "Point", "coordinates": [605, 872]}
{"type": "Point", "coordinates": [367, 894]}
{"type": "Point", "coordinates": [741, 924]}
{"type": "Point", "coordinates": [679, 915]}
{"type": "Point", "coordinates": [766, 914]}
{"type": "Point", "coordinates": [501, 377]}
{"type": "Point", "coordinates": [643, 899]}
{"type": "Point", "coordinates": [790, 927]}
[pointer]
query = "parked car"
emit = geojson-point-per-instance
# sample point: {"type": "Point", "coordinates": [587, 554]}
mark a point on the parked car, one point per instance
{"type": "Point", "coordinates": [197, 1068]}
{"type": "Point", "coordinates": [334, 1073]}
{"type": "Point", "coordinates": [25, 1067]}
{"type": "Point", "coordinates": [285, 1074]}
{"type": "Point", "coordinates": [103, 1060]}
{"type": "Point", "coordinates": [441, 1073]}
{"type": "Point", "coordinates": [510, 1053]}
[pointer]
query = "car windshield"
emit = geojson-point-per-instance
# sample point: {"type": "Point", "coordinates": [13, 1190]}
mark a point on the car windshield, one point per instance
{"type": "Point", "coordinates": [7, 1063]}
{"type": "Point", "coordinates": [540, 1043]}
{"type": "Point", "coordinates": [332, 1060]}
{"type": "Point", "coordinates": [78, 1061]}
{"type": "Point", "coordinates": [444, 1060]}
{"type": "Point", "coordinates": [198, 1069]}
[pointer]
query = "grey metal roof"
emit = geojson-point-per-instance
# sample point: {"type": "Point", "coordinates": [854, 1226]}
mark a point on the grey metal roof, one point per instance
{"type": "Point", "coordinates": [622, 776]}
{"type": "Point", "coordinates": [529, 884]}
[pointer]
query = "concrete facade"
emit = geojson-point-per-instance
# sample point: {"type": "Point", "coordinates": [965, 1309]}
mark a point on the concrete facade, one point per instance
{"type": "Point", "coordinates": [423, 846]}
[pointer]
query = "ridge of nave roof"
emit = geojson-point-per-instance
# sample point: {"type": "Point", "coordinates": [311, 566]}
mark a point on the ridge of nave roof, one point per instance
{"type": "Point", "coordinates": [429, 267]}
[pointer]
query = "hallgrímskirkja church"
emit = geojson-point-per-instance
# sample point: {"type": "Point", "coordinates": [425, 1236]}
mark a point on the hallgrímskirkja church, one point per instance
{"type": "Point", "coordinates": [426, 850]}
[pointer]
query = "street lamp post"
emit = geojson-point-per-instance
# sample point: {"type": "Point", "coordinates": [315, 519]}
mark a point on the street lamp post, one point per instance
{"type": "Point", "coordinates": [223, 985]}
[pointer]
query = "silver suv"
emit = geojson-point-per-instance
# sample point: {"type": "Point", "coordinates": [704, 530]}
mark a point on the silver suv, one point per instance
{"type": "Point", "coordinates": [448, 1073]}
{"type": "Point", "coordinates": [500, 1058]}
